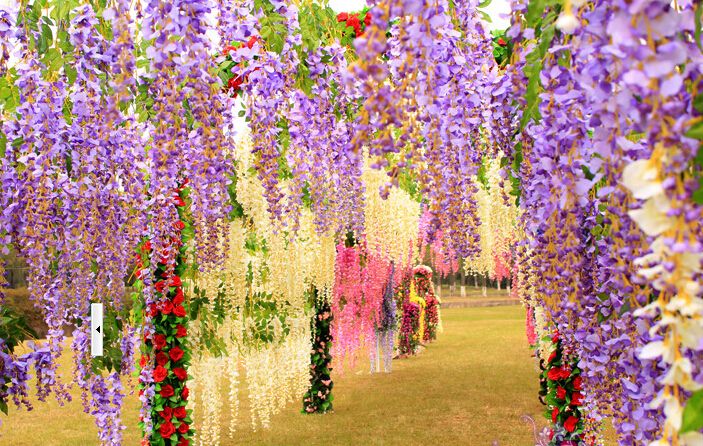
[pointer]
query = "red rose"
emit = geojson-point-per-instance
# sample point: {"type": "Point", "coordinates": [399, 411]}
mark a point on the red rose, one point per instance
{"type": "Point", "coordinates": [160, 286]}
{"type": "Point", "coordinates": [183, 442]}
{"type": "Point", "coordinates": [180, 373]}
{"type": "Point", "coordinates": [178, 298]}
{"type": "Point", "coordinates": [176, 281]}
{"type": "Point", "coordinates": [180, 412]}
{"type": "Point", "coordinates": [235, 83]}
{"type": "Point", "coordinates": [367, 19]}
{"type": "Point", "coordinates": [179, 225]}
{"type": "Point", "coordinates": [167, 413]}
{"type": "Point", "coordinates": [229, 49]}
{"type": "Point", "coordinates": [167, 429]}
{"type": "Point", "coordinates": [552, 356]}
{"type": "Point", "coordinates": [176, 354]}
{"type": "Point", "coordinates": [578, 382]}
{"type": "Point", "coordinates": [355, 23]}
{"type": "Point", "coordinates": [570, 423]}
{"type": "Point", "coordinates": [551, 434]}
{"type": "Point", "coordinates": [159, 374]}
{"type": "Point", "coordinates": [577, 399]}
{"type": "Point", "coordinates": [555, 414]}
{"type": "Point", "coordinates": [561, 392]}
{"type": "Point", "coordinates": [181, 331]}
{"type": "Point", "coordinates": [143, 360]}
{"type": "Point", "coordinates": [342, 17]}
{"type": "Point", "coordinates": [167, 307]}
{"type": "Point", "coordinates": [554, 373]}
{"type": "Point", "coordinates": [179, 311]}
{"type": "Point", "coordinates": [183, 428]}
{"type": "Point", "coordinates": [502, 42]}
{"type": "Point", "coordinates": [166, 391]}
{"type": "Point", "coordinates": [178, 201]}
{"type": "Point", "coordinates": [252, 41]}
{"type": "Point", "coordinates": [153, 310]}
{"type": "Point", "coordinates": [185, 393]}
{"type": "Point", "coordinates": [161, 358]}
{"type": "Point", "coordinates": [565, 373]}
{"type": "Point", "coordinates": [159, 341]}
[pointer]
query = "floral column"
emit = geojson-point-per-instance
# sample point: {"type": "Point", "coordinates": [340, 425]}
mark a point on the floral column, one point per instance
{"type": "Point", "coordinates": [165, 421]}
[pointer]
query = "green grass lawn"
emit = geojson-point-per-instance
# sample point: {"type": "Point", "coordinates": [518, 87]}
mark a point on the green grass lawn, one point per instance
{"type": "Point", "coordinates": [470, 387]}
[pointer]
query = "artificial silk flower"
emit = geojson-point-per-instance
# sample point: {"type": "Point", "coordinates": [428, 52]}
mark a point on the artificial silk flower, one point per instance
{"type": "Point", "coordinates": [641, 177]}
{"type": "Point", "coordinates": [652, 217]}
{"type": "Point", "coordinates": [568, 22]}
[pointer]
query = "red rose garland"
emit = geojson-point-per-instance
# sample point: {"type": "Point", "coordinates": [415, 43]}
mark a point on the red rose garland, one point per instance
{"type": "Point", "coordinates": [167, 350]}
{"type": "Point", "coordinates": [353, 20]}
{"type": "Point", "coordinates": [233, 81]}
{"type": "Point", "coordinates": [564, 398]}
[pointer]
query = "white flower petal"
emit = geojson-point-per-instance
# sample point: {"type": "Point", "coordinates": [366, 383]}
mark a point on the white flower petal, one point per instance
{"type": "Point", "coordinates": [650, 218]}
{"type": "Point", "coordinates": [652, 350]}
{"type": "Point", "coordinates": [641, 178]}
{"type": "Point", "coordinates": [568, 23]}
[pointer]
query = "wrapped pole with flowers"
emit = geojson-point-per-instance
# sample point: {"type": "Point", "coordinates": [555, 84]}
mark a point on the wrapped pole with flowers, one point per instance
{"type": "Point", "coordinates": [166, 354]}
{"type": "Point", "coordinates": [318, 398]}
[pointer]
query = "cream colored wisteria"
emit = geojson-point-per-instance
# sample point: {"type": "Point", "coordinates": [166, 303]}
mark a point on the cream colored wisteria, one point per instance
{"type": "Point", "coordinates": [498, 216]}
{"type": "Point", "coordinates": [391, 224]}
{"type": "Point", "coordinates": [678, 310]}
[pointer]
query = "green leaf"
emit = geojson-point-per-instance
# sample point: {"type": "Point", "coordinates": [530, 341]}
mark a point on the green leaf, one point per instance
{"type": "Point", "coordinates": [693, 413]}
{"type": "Point", "coordinates": [696, 131]}
{"type": "Point", "coordinates": [697, 21]}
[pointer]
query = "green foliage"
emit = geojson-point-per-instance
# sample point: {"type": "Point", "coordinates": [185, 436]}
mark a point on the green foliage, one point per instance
{"type": "Point", "coordinates": [318, 398]}
{"type": "Point", "coordinates": [273, 28]}
{"type": "Point", "coordinates": [696, 132]}
{"type": "Point", "coordinates": [408, 183]}
{"type": "Point", "coordinates": [693, 413]}
{"type": "Point", "coordinates": [697, 21]}
{"type": "Point", "coordinates": [14, 328]}
{"type": "Point", "coordinates": [502, 47]}
{"type": "Point", "coordinates": [268, 319]}
{"type": "Point", "coordinates": [481, 174]}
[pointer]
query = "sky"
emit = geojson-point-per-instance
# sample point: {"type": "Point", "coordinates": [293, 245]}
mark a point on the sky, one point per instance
{"type": "Point", "coordinates": [494, 10]}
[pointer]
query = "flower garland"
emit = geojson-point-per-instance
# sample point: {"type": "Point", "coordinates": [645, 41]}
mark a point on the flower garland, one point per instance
{"type": "Point", "coordinates": [357, 21]}
{"type": "Point", "coordinates": [409, 328]}
{"type": "Point", "coordinates": [564, 396]}
{"type": "Point", "coordinates": [166, 350]}
{"type": "Point", "coordinates": [423, 285]}
{"type": "Point", "coordinates": [318, 398]}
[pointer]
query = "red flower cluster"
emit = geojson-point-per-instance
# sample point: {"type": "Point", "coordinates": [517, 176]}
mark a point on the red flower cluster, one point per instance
{"type": "Point", "coordinates": [169, 357]}
{"type": "Point", "coordinates": [557, 373]}
{"type": "Point", "coordinates": [565, 387]}
{"type": "Point", "coordinates": [353, 21]}
{"type": "Point", "coordinates": [235, 82]}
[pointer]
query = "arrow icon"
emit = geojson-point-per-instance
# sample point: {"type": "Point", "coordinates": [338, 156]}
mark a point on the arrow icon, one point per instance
{"type": "Point", "coordinates": [96, 322]}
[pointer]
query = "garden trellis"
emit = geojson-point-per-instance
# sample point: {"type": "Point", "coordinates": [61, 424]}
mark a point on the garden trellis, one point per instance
{"type": "Point", "coordinates": [248, 165]}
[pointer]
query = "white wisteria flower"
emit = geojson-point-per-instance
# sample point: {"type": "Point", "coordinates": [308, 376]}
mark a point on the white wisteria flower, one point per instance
{"type": "Point", "coordinates": [652, 217]}
{"type": "Point", "coordinates": [641, 177]}
{"type": "Point", "coordinates": [568, 22]}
